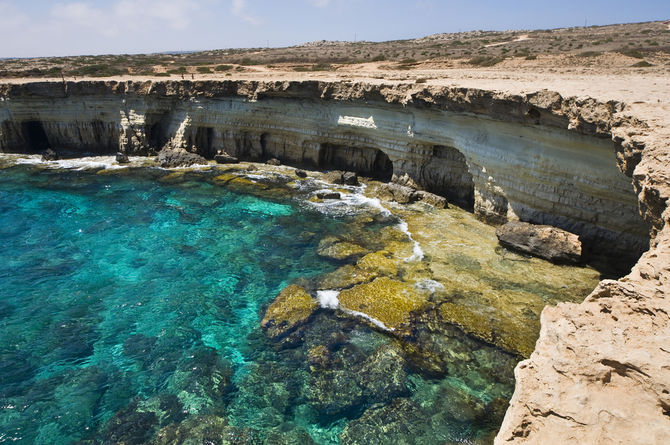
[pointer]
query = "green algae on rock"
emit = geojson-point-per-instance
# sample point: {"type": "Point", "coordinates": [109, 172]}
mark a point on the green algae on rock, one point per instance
{"type": "Point", "coordinates": [336, 249]}
{"type": "Point", "coordinates": [290, 309]}
{"type": "Point", "coordinates": [385, 300]}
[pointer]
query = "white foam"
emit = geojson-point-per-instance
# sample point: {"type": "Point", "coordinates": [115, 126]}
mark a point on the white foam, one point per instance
{"type": "Point", "coordinates": [429, 285]}
{"type": "Point", "coordinates": [328, 298]}
{"type": "Point", "coordinates": [417, 251]}
{"type": "Point", "coordinates": [372, 320]}
{"type": "Point", "coordinates": [85, 163]}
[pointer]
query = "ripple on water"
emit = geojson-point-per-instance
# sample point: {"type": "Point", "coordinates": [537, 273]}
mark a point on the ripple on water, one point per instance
{"type": "Point", "coordinates": [130, 312]}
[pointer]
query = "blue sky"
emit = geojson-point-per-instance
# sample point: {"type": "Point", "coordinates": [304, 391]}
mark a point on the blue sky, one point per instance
{"type": "Point", "coordinates": [31, 28]}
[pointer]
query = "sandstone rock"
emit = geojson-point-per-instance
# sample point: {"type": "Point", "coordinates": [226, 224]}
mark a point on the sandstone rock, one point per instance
{"type": "Point", "coordinates": [169, 158]}
{"type": "Point", "coordinates": [404, 180]}
{"type": "Point", "coordinates": [336, 249]}
{"type": "Point", "coordinates": [550, 243]}
{"type": "Point", "coordinates": [225, 158]}
{"type": "Point", "coordinates": [301, 173]}
{"type": "Point", "coordinates": [49, 155]}
{"type": "Point", "coordinates": [398, 193]}
{"type": "Point", "coordinates": [437, 201]}
{"type": "Point", "coordinates": [328, 195]}
{"type": "Point", "coordinates": [273, 161]}
{"type": "Point", "coordinates": [290, 309]}
{"type": "Point", "coordinates": [122, 158]}
{"type": "Point", "coordinates": [600, 373]}
{"type": "Point", "coordinates": [334, 177]}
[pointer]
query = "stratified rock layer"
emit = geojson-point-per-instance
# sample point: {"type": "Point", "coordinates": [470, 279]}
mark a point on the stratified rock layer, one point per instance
{"type": "Point", "coordinates": [536, 157]}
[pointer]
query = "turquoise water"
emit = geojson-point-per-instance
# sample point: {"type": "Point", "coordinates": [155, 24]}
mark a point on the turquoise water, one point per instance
{"type": "Point", "coordinates": [130, 309]}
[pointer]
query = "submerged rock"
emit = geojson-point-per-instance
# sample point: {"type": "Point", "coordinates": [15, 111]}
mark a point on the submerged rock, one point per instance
{"type": "Point", "coordinates": [50, 155]}
{"type": "Point", "coordinates": [548, 242]}
{"type": "Point", "coordinates": [169, 158]}
{"type": "Point", "coordinates": [290, 309]}
{"type": "Point", "coordinates": [353, 379]}
{"type": "Point", "coordinates": [336, 249]}
{"type": "Point", "coordinates": [204, 430]}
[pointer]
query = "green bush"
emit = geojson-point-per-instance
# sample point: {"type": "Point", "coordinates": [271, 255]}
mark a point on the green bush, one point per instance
{"type": "Point", "coordinates": [642, 64]}
{"type": "Point", "coordinates": [223, 68]}
{"type": "Point", "coordinates": [203, 70]}
{"type": "Point", "coordinates": [485, 60]}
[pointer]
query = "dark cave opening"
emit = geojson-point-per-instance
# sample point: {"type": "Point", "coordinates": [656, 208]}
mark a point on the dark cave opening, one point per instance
{"type": "Point", "coordinates": [35, 136]}
{"type": "Point", "coordinates": [366, 161]}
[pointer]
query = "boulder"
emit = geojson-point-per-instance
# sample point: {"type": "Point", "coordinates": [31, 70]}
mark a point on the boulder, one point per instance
{"type": "Point", "coordinates": [328, 195]}
{"type": "Point", "coordinates": [122, 158]}
{"type": "Point", "coordinates": [301, 173]}
{"type": "Point", "coordinates": [49, 155]}
{"type": "Point", "coordinates": [398, 193]}
{"type": "Point", "coordinates": [350, 178]}
{"type": "Point", "coordinates": [334, 176]}
{"type": "Point", "coordinates": [548, 242]}
{"type": "Point", "coordinates": [437, 201]}
{"type": "Point", "coordinates": [169, 158]}
{"type": "Point", "coordinates": [273, 161]}
{"type": "Point", "coordinates": [225, 158]}
{"type": "Point", "coordinates": [405, 180]}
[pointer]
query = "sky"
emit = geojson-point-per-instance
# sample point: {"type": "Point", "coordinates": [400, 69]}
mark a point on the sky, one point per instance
{"type": "Point", "coordinates": [34, 28]}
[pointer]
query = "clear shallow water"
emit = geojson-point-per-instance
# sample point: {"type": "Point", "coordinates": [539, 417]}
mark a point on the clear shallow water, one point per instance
{"type": "Point", "coordinates": [130, 308]}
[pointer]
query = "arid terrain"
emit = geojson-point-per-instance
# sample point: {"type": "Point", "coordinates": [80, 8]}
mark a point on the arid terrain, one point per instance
{"type": "Point", "coordinates": [642, 47]}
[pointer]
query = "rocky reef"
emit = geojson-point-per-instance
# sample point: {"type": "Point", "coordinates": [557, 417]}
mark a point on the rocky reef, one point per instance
{"type": "Point", "coordinates": [599, 372]}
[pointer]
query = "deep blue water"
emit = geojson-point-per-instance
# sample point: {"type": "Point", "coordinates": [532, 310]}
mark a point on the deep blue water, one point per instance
{"type": "Point", "coordinates": [130, 308]}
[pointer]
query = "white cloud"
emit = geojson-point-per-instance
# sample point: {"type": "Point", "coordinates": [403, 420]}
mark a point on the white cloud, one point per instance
{"type": "Point", "coordinates": [239, 8]}
{"type": "Point", "coordinates": [11, 17]}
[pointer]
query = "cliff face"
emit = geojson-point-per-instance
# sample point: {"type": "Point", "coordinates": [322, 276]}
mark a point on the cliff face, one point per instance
{"type": "Point", "coordinates": [538, 158]}
{"type": "Point", "coordinates": [600, 372]}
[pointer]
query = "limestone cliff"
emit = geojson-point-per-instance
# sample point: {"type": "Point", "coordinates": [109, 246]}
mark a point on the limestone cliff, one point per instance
{"type": "Point", "coordinates": [537, 157]}
{"type": "Point", "coordinates": [600, 372]}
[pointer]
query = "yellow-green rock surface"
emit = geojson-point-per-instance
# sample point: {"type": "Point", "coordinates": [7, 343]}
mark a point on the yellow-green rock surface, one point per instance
{"type": "Point", "coordinates": [291, 308]}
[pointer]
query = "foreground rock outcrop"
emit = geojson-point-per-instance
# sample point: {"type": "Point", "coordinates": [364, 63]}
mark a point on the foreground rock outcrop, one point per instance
{"type": "Point", "coordinates": [600, 373]}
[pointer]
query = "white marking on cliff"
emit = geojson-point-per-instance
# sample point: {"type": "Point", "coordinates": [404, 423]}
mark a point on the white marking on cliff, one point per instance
{"type": "Point", "coordinates": [352, 121]}
{"type": "Point", "coordinates": [410, 132]}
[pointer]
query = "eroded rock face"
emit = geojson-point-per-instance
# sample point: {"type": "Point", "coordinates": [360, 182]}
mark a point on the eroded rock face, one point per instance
{"type": "Point", "coordinates": [550, 243]}
{"type": "Point", "coordinates": [480, 149]}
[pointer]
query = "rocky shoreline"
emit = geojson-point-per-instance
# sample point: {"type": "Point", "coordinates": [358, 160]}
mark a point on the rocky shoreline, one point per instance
{"type": "Point", "coordinates": [592, 359]}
